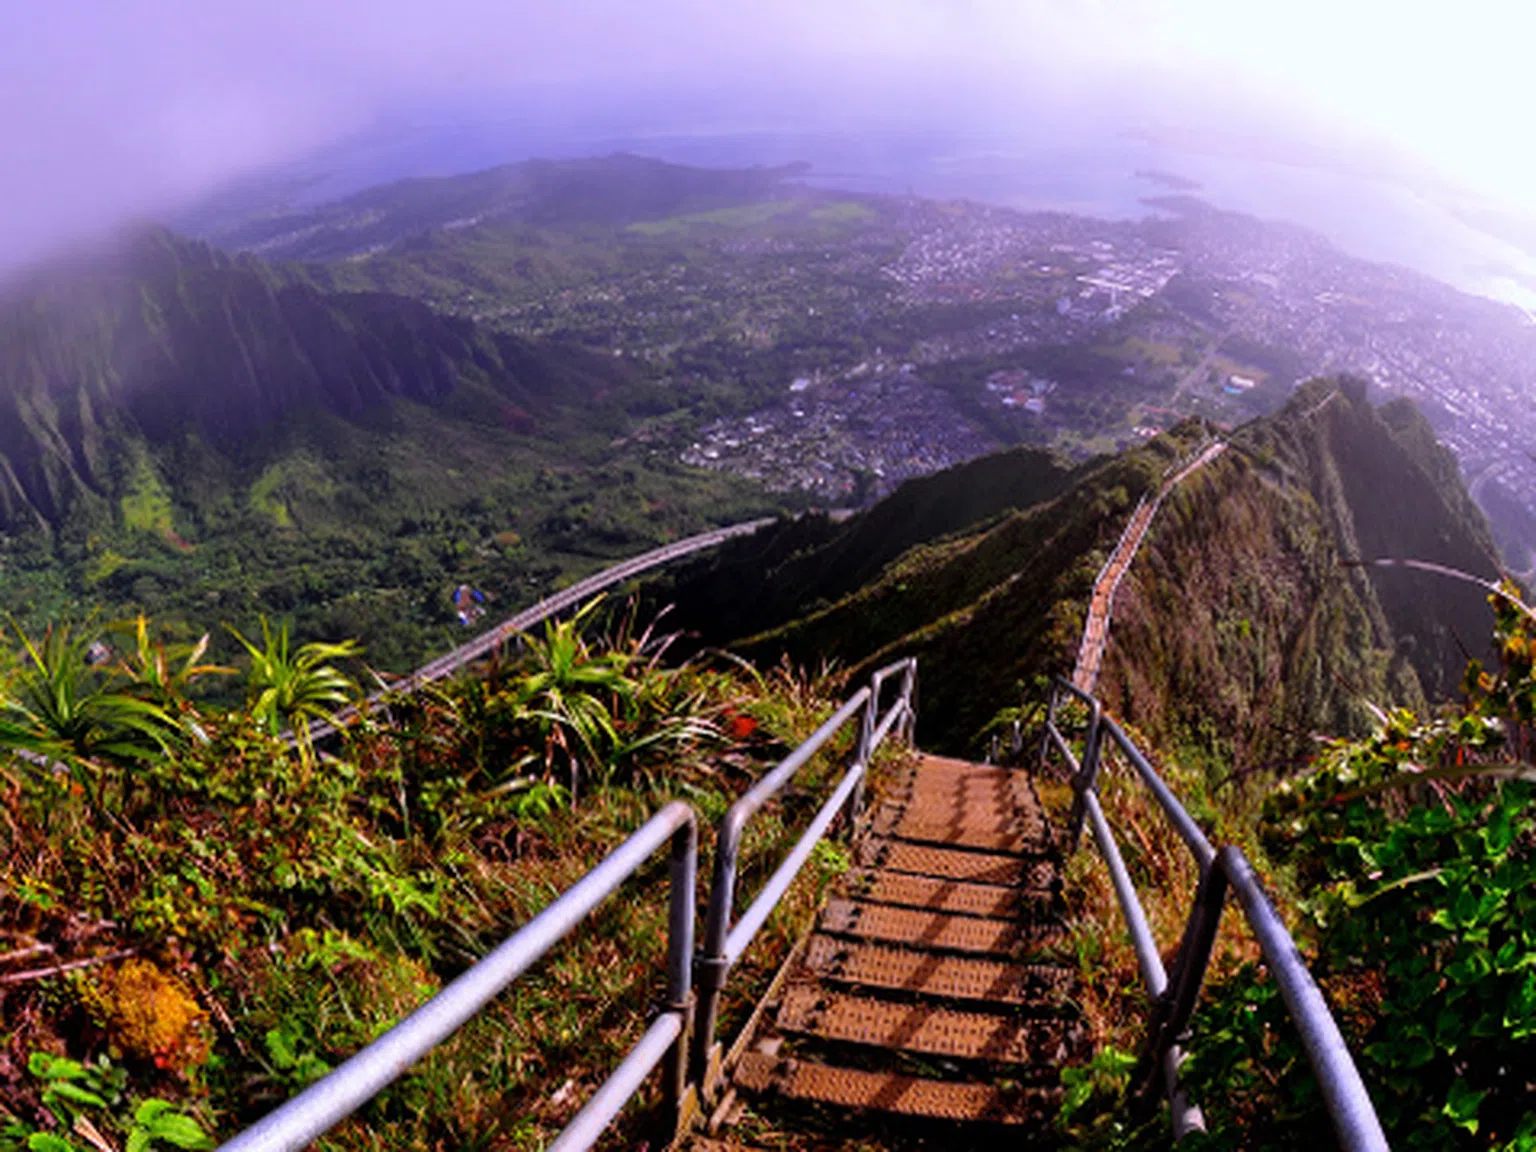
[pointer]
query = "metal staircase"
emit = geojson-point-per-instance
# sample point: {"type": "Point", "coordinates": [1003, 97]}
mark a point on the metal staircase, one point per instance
{"type": "Point", "coordinates": [928, 991]}
{"type": "Point", "coordinates": [927, 987]}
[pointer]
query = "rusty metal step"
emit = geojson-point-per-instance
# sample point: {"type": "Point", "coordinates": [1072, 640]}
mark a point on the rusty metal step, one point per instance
{"type": "Point", "coordinates": [928, 762]}
{"type": "Point", "coordinates": [1004, 800]}
{"type": "Point", "coordinates": [956, 827]}
{"type": "Point", "coordinates": [887, 1092]}
{"type": "Point", "coordinates": [909, 891]}
{"type": "Point", "coordinates": [812, 1010]}
{"type": "Point", "coordinates": [936, 930]}
{"type": "Point", "coordinates": [954, 863]}
{"type": "Point", "coordinates": [1045, 987]}
{"type": "Point", "coordinates": [973, 778]}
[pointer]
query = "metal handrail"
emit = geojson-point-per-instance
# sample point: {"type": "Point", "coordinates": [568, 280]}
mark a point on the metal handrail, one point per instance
{"type": "Point", "coordinates": [724, 944]}
{"type": "Point", "coordinates": [1344, 1093]}
{"type": "Point", "coordinates": [346, 1089]}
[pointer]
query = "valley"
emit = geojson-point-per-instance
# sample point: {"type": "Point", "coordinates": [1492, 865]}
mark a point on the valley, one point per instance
{"type": "Point", "coordinates": [503, 380]}
{"type": "Point", "coordinates": [835, 344]}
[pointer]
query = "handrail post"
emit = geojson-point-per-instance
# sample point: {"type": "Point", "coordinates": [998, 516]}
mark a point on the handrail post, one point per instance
{"type": "Point", "coordinates": [864, 749]}
{"type": "Point", "coordinates": [1172, 1010]}
{"type": "Point", "coordinates": [908, 725]}
{"type": "Point", "coordinates": [711, 965]}
{"type": "Point", "coordinates": [1087, 777]}
{"type": "Point", "coordinates": [682, 869]}
{"type": "Point", "coordinates": [1045, 729]}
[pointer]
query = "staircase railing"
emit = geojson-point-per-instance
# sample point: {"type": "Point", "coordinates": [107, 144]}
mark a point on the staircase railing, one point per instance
{"type": "Point", "coordinates": [1349, 1105]}
{"type": "Point", "coordinates": [666, 1042]}
{"type": "Point", "coordinates": [342, 1092]}
{"type": "Point", "coordinates": [723, 944]}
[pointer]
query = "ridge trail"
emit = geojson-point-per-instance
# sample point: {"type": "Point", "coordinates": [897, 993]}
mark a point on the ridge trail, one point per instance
{"type": "Point", "coordinates": [1090, 651]}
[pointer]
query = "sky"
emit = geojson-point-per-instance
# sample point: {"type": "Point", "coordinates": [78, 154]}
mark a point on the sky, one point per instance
{"type": "Point", "coordinates": [112, 111]}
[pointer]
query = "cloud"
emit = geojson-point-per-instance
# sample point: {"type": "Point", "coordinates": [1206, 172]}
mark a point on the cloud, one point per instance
{"type": "Point", "coordinates": [112, 110]}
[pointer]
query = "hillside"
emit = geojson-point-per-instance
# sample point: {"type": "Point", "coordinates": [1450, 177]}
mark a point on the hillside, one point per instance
{"type": "Point", "coordinates": [611, 190]}
{"type": "Point", "coordinates": [1237, 631]}
{"type": "Point", "coordinates": [209, 437]}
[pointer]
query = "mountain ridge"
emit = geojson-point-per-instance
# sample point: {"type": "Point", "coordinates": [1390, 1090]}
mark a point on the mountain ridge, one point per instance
{"type": "Point", "coordinates": [1237, 626]}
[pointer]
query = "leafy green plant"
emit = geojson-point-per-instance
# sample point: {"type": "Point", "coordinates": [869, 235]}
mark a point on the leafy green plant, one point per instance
{"type": "Point", "coordinates": [295, 1065]}
{"type": "Point", "coordinates": [158, 1121]}
{"type": "Point", "coordinates": [1092, 1104]}
{"type": "Point", "coordinates": [567, 690]}
{"type": "Point", "coordinates": [1416, 848]}
{"type": "Point", "coordinates": [85, 1098]}
{"type": "Point", "coordinates": [74, 710]}
{"type": "Point", "coordinates": [293, 687]}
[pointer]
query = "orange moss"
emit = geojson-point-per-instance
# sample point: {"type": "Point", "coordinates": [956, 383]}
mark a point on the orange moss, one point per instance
{"type": "Point", "coordinates": [152, 1016]}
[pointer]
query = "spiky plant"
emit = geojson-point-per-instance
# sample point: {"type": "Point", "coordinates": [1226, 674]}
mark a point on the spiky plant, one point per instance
{"type": "Point", "coordinates": [288, 687]}
{"type": "Point", "coordinates": [65, 708]}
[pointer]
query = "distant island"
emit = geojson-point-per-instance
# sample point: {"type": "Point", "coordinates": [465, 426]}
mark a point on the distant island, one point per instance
{"type": "Point", "coordinates": [1169, 180]}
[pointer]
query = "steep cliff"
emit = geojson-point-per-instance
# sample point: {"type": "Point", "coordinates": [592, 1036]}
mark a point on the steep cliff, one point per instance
{"type": "Point", "coordinates": [169, 351]}
{"type": "Point", "coordinates": [1241, 627]}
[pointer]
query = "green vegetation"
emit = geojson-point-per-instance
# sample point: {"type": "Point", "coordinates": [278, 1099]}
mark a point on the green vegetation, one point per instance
{"type": "Point", "coordinates": [1415, 852]}
{"type": "Point", "coordinates": [145, 503]}
{"type": "Point", "coordinates": [196, 921]}
{"type": "Point", "coordinates": [743, 216]}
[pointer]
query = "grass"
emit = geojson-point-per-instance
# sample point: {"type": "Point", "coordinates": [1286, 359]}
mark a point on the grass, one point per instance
{"type": "Point", "coordinates": [740, 216]}
{"type": "Point", "coordinates": [842, 212]}
{"type": "Point", "coordinates": [283, 916]}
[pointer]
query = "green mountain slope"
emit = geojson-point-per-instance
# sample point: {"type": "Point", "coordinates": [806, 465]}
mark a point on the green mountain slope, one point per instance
{"type": "Point", "coordinates": [211, 437]}
{"type": "Point", "coordinates": [612, 190]}
{"type": "Point", "coordinates": [1237, 627]}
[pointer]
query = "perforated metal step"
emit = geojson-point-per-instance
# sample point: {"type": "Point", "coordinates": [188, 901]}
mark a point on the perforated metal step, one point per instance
{"type": "Point", "coordinates": [954, 863]}
{"type": "Point", "coordinates": [1045, 988]}
{"type": "Point", "coordinates": [925, 949]}
{"type": "Point", "coordinates": [940, 931]}
{"type": "Point", "coordinates": [955, 826]}
{"type": "Point", "coordinates": [975, 781]}
{"type": "Point", "coordinates": [909, 891]}
{"type": "Point", "coordinates": [815, 1011]}
{"type": "Point", "coordinates": [887, 1092]}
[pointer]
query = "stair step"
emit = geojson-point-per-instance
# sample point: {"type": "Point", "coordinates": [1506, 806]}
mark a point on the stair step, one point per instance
{"type": "Point", "coordinates": [995, 785]}
{"type": "Point", "coordinates": [958, 827]}
{"type": "Point", "coordinates": [955, 863]}
{"type": "Point", "coordinates": [932, 765]}
{"type": "Point", "coordinates": [936, 930]}
{"type": "Point", "coordinates": [1044, 987]}
{"type": "Point", "coordinates": [887, 1092]}
{"type": "Point", "coordinates": [815, 1011]}
{"type": "Point", "coordinates": [908, 891]}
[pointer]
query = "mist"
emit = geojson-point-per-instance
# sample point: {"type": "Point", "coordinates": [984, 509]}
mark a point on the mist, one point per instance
{"type": "Point", "coordinates": [116, 113]}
